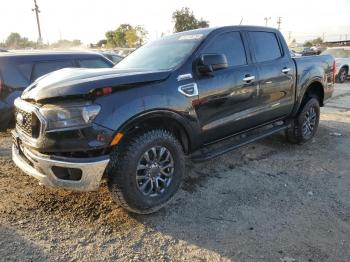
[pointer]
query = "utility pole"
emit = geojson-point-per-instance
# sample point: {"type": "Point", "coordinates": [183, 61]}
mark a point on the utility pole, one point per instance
{"type": "Point", "coordinates": [323, 36]}
{"type": "Point", "coordinates": [267, 19]}
{"type": "Point", "coordinates": [289, 36]}
{"type": "Point", "coordinates": [279, 22]}
{"type": "Point", "coordinates": [37, 11]}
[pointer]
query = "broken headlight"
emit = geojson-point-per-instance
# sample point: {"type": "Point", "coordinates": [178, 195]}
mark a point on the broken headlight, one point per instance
{"type": "Point", "coordinates": [69, 116]}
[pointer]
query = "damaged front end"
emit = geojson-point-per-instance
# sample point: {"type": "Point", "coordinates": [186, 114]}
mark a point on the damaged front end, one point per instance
{"type": "Point", "coordinates": [59, 144]}
{"type": "Point", "coordinates": [56, 138]}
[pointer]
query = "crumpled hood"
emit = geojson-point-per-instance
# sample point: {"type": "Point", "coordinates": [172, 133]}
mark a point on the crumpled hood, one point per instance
{"type": "Point", "coordinates": [80, 81]}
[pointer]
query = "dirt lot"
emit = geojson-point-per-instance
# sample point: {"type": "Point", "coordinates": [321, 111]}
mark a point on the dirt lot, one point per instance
{"type": "Point", "coordinates": [270, 201]}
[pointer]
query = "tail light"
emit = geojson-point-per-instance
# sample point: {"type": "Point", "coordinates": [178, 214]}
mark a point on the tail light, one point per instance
{"type": "Point", "coordinates": [334, 70]}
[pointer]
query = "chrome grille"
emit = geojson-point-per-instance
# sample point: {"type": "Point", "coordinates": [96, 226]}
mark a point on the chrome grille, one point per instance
{"type": "Point", "coordinates": [24, 121]}
{"type": "Point", "coordinates": [28, 119]}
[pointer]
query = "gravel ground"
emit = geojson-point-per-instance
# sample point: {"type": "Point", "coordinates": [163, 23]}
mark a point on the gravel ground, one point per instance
{"type": "Point", "coordinates": [269, 201]}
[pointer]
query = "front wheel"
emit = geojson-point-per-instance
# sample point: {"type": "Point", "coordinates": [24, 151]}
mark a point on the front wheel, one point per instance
{"type": "Point", "coordinates": [305, 125]}
{"type": "Point", "coordinates": [147, 171]}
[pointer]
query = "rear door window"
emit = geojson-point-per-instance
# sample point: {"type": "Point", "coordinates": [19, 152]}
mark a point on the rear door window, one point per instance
{"type": "Point", "coordinates": [265, 45]}
{"type": "Point", "coordinates": [43, 68]}
{"type": "Point", "coordinates": [93, 63]}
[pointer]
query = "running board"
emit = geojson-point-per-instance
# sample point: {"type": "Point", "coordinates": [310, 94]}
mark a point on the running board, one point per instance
{"type": "Point", "coordinates": [223, 147]}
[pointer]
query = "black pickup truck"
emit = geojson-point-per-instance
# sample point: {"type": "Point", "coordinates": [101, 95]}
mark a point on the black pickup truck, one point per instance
{"type": "Point", "coordinates": [190, 96]}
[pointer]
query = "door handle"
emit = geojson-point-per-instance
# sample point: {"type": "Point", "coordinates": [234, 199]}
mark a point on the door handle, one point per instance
{"type": "Point", "coordinates": [248, 78]}
{"type": "Point", "coordinates": [285, 70]}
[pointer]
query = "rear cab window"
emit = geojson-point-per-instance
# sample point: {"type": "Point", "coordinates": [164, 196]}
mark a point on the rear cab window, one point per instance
{"type": "Point", "coordinates": [44, 67]}
{"type": "Point", "coordinates": [93, 63]}
{"type": "Point", "coordinates": [265, 46]}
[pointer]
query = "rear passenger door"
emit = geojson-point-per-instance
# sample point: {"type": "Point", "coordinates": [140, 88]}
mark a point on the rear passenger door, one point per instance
{"type": "Point", "coordinates": [41, 68]}
{"type": "Point", "coordinates": [227, 98]}
{"type": "Point", "coordinates": [276, 72]}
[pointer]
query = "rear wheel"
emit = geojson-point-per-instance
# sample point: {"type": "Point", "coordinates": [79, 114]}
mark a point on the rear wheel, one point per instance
{"type": "Point", "coordinates": [304, 126]}
{"type": "Point", "coordinates": [147, 171]}
{"type": "Point", "coordinates": [342, 75]}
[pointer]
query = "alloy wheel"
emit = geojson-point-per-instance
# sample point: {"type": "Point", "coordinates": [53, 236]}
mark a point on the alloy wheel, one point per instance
{"type": "Point", "coordinates": [155, 171]}
{"type": "Point", "coordinates": [309, 122]}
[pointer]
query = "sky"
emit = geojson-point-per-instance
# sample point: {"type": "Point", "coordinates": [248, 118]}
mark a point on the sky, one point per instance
{"type": "Point", "coordinates": [88, 20]}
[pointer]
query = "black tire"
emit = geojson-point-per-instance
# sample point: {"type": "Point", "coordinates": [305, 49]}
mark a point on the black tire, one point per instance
{"type": "Point", "coordinates": [123, 171]}
{"type": "Point", "coordinates": [4, 125]}
{"type": "Point", "coordinates": [297, 133]}
{"type": "Point", "coordinates": [342, 75]}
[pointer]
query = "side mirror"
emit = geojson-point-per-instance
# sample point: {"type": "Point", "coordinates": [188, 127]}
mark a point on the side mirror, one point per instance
{"type": "Point", "coordinates": [208, 63]}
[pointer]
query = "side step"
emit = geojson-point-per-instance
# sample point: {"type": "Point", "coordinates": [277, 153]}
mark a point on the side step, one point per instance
{"type": "Point", "coordinates": [214, 150]}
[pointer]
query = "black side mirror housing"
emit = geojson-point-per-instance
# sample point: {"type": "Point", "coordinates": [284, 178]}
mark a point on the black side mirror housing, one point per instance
{"type": "Point", "coordinates": [208, 63]}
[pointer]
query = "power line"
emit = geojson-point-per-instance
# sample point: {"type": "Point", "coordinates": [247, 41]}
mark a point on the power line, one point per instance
{"type": "Point", "coordinates": [279, 22]}
{"type": "Point", "coordinates": [267, 20]}
{"type": "Point", "coordinates": [37, 11]}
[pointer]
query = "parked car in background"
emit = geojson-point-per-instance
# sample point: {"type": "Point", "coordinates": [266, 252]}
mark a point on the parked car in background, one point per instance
{"type": "Point", "coordinates": [19, 70]}
{"type": "Point", "coordinates": [342, 61]}
{"type": "Point", "coordinates": [124, 51]}
{"type": "Point", "coordinates": [307, 51]}
{"type": "Point", "coordinates": [111, 55]}
{"type": "Point", "coordinates": [3, 50]}
{"type": "Point", "coordinates": [198, 94]}
{"type": "Point", "coordinates": [294, 54]}
{"type": "Point", "coordinates": [318, 49]}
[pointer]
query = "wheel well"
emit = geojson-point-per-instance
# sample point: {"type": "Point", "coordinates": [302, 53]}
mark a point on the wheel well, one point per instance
{"type": "Point", "coordinates": [160, 122]}
{"type": "Point", "coordinates": [315, 89]}
{"type": "Point", "coordinates": [346, 67]}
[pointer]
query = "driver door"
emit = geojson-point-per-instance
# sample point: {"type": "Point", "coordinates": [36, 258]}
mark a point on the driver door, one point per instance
{"type": "Point", "coordinates": [228, 97]}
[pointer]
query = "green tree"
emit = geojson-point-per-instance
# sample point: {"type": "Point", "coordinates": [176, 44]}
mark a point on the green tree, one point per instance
{"type": "Point", "coordinates": [110, 38]}
{"type": "Point", "coordinates": [141, 34]}
{"type": "Point", "coordinates": [131, 37]}
{"type": "Point", "coordinates": [101, 43]}
{"type": "Point", "coordinates": [14, 40]}
{"type": "Point", "coordinates": [313, 42]}
{"type": "Point", "coordinates": [126, 35]}
{"type": "Point", "coordinates": [184, 20]}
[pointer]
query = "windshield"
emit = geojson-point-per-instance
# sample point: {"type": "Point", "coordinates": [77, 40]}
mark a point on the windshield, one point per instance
{"type": "Point", "coordinates": [338, 53]}
{"type": "Point", "coordinates": [163, 54]}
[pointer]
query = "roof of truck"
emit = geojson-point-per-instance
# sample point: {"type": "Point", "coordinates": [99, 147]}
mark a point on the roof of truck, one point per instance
{"type": "Point", "coordinates": [208, 30]}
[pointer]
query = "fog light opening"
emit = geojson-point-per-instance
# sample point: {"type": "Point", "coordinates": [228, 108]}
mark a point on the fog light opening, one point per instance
{"type": "Point", "coordinates": [72, 174]}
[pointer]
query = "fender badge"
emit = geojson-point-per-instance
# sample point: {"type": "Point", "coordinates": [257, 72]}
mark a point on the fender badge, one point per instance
{"type": "Point", "coordinates": [184, 77]}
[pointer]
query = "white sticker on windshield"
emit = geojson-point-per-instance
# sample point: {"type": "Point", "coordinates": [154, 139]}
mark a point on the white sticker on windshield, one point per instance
{"type": "Point", "coordinates": [190, 37]}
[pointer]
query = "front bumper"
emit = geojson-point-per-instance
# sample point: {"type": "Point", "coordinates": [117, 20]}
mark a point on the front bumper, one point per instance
{"type": "Point", "coordinates": [41, 167]}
